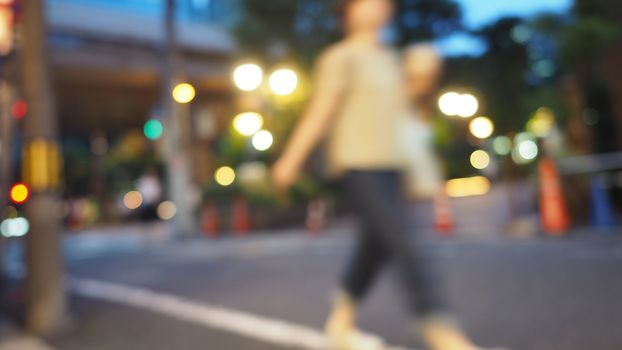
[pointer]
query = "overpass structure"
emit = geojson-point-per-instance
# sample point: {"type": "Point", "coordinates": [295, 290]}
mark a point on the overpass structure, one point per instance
{"type": "Point", "coordinates": [106, 57]}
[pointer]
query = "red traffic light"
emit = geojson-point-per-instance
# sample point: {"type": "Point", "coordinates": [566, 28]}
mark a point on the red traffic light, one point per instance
{"type": "Point", "coordinates": [19, 193]}
{"type": "Point", "coordinates": [19, 109]}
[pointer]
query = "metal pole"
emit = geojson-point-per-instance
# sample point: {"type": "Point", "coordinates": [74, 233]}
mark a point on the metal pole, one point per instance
{"type": "Point", "coordinates": [6, 129]}
{"type": "Point", "coordinates": [45, 284]}
{"type": "Point", "coordinates": [178, 135]}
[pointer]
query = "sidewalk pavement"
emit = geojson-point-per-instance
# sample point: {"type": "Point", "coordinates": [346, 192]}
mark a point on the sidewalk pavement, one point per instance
{"type": "Point", "coordinates": [10, 339]}
{"type": "Point", "coordinates": [23, 342]}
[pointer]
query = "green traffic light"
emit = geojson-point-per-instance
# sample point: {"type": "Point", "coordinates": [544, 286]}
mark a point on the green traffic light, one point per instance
{"type": "Point", "coordinates": [153, 129]}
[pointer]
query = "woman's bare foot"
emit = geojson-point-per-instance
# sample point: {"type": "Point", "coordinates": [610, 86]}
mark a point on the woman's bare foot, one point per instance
{"type": "Point", "coordinates": [341, 328]}
{"type": "Point", "coordinates": [342, 318]}
{"type": "Point", "coordinates": [440, 335]}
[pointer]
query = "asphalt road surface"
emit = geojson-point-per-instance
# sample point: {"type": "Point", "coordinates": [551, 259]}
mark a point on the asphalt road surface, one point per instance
{"type": "Point", "coordinates": [272, 291]}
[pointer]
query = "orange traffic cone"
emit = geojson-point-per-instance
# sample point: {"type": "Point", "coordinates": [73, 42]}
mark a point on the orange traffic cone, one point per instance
{"type": "Point", "coordinates": [209, 220]}
{"type": "Point", "coordinates": [443, 215]}
{"type": "Point", "coordinates": [240, 217]}
{"type": "Point", "coordinates": [553, 211]}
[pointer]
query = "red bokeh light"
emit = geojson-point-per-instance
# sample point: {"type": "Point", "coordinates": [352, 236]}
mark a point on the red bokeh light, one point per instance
{"type": "Point", "coordinates": [19, 109]}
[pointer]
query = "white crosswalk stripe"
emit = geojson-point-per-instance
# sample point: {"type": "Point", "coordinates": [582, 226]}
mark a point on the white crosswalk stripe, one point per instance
{"type": "Point", "coordinates": [268, 330]}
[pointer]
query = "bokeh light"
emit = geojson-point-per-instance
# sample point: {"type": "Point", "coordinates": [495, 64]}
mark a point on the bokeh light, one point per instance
{"type": "Point", "coordinates": [502, 145]}
{"type": "Point", "coordinates": [14, 227]}
{"type": "Point", "coordinates": [528, 150]}
{"type": "Point", "coordinates": [263, 140]}
{"type": "Point", "coordinates": [468, 106]}
{"type": "Point", "coordinates": [468, 187]}
{"type": "Point", "coordinates": [248, 123]}
{"type": "Point", "coordinates": [525, 148]}
{"type": "Point", "coordinates": [283, 82]}
{"type": "Point", "coordinates": [248, 77]}
{"type": "Point", "coordinates": [542, 122]}
{"type": "Point", "coordinates": [449, 103]}
{"type": "Point", "coordinates": [253, 173]}
{"type": "Point", "coordinates": [480, 160]}
{"type": "Point", "coordinates": [19, 109]}
{"type": "Point", "coordinates": [153, 129]}
{"type": "Point", "coordinates": [19, 193]}
{"type": "Point", "coordinates": [133, 200]}
{"type": "Point", "coordinates": [481, 127]}
{"type": "Point", "coordinates": [184, 93]}
{"type": "Point", "coordinates": [167, 210]}
{"type": "Point", "coordinates": [225, 176]}
{"type": "Point", "coordinates": [454, 104]}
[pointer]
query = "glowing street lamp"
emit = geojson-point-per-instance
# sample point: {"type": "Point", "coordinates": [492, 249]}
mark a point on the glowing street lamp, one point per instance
{"type": "Point", "coordinates": [481, 127]}
{"type": "Point", "coordinates": [462, 105]}
{"type": "Point", "coordinates": [184, 93]}
{"type": "Point", "coordinates": [284, 82]}
{"type": "Point", "coordinates": [448, 103]}
{"type": "Point", "coordinates": [248, 77]}
{"type": "Point", "coordinates": [263, 140]}
{"type": "Point", "coordinates": [225, 176]}
{"type": "Point", "coordinates": [469, 105]}
{"type": "Point", "coordinates": [480, 160]}
{"type": "Point", "coordinates": [248, 123]}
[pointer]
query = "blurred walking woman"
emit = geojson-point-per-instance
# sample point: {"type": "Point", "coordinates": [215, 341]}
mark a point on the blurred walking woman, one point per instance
{"type": "Point", "coordinates": [358, 104]}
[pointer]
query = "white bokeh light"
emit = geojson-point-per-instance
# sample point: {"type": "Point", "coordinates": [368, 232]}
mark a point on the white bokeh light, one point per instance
{"type": "Point", "coordinates": [528, 150]}
{"type": "Point", "coordinates": [454, 104]}
{"type": "Point", "coordinates": [468, 106]}
{"type": "Point", "coordinates": [284, 82]}
{"type": "Point", "coordinates": [248, 77]}
{"type": "Point", "coordinates": [482, 127]}
{"type": "Point", "coordinates": [449, 103]}
{"type": "Point", "coordinates": [480, 160]}
{"type": "Point", "coordinates": [248, 123]}
{"type": "Point", "coordinates": [263, 140]}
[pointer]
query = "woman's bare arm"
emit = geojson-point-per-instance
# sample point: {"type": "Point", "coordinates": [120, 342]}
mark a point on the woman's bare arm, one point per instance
{"type": "Point", "coordinates": [329, 85]}
{"type": "Point", "coordinates": [312, 128]}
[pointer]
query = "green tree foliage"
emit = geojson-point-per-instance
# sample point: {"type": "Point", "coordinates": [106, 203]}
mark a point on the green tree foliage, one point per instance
{"type": "Point", "coordinates": [499, 75]}
{"type": "Point", "coordinates": [303, 27]}
{"type": "Point", "coordinates": [419, 20]}
{"type": "Point", "coordinates": [297, 28]}
{"type": "Point", "coordinates": [596, 27]}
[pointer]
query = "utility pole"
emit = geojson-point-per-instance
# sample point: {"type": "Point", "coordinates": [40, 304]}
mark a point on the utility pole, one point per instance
{"type": "Point", "coordinates": [45, 284]}
{"type": "Point", "coordinates": [7, 41]}
{"type": "Point", "coordinates": [178, 135]}
{"type": "Point", "coordinates": [6, 130]}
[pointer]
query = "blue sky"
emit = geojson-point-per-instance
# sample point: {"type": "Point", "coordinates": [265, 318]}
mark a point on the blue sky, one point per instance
{"type": "Point", "coordinates": [481, 12]}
